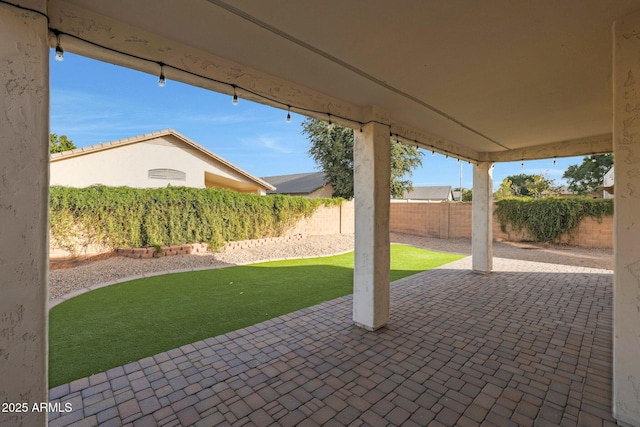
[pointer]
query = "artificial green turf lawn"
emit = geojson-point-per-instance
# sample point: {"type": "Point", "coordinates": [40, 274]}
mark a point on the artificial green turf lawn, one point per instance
{"type": "Point", "coordinates": [118, 324]}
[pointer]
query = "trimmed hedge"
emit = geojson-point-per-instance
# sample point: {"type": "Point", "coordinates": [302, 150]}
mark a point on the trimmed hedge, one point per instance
{"type": "Point", "coordinates": [547, 218]}
{"type": "Point", "coordinates": [117, 217]}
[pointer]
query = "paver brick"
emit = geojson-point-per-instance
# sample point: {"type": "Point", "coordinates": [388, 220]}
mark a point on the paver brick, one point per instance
{"type": "Point", "coordinates": [522, 420]}
{"type": "Point", "coordinates": [476, 413]}
{"type": "Point", "coordinates": [397, 416]}
{"type": "Point", "coordinates": [500, 353]}
{"type": "Point", "coordinates": [448, 417]}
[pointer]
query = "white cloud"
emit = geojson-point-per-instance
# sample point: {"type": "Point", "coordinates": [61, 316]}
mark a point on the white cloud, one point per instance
{"type": "Point", "coordinates": [88, 119]}
{"type": "Point", "coordinates": [268, 142]}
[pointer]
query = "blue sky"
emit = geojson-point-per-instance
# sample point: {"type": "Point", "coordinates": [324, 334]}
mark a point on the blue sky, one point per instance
{"type": "Point", "coordinates": [93, 102]}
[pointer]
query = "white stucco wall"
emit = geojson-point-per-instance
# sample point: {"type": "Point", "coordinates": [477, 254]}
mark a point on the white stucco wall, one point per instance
{"type": "Point", "coordinates": [608, 183]}
{"type": "Point", "coordinates": [372, 169]}
{"type": "Point", "coordinates": [24, 128]}
{"type": "Point", "coordinates": [129, 165]}
{"type": "Point", "coordinates": [325, 191]}
{"type": "Point", "coordinates": [626, 228]}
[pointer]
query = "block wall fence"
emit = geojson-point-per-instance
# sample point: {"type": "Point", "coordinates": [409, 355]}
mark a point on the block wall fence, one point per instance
{"type": "Point", "coordinates": [325, 220]}
{"type": "Point", "coordinates": [438, 220]}
{"type": "Point", "coordinates": [453, 220]}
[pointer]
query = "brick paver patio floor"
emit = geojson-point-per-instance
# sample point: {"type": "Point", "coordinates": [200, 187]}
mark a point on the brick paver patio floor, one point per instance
{"type": "Point", "coordinates": [529, 344]}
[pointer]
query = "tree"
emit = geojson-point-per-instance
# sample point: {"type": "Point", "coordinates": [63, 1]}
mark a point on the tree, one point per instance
{"type": "Point", "coordinates": [588, 176]}
{"type": "Point", "coordinates": [332, 150]}
{"type": "Point", "coordinates": [404, 159]}
{"type": "Point", "coordinates": [60, 143]}
{"type": "Point", "coordinates": [505, 190]}
{"type": "Point", "coordinates": [538, 185]}
{"type": "Point", "coordinates": [524, 185]}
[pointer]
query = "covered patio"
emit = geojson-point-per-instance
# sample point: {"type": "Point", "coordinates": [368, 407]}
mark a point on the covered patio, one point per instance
{"type": "Point", "coordinates": [483, 82]}
{"type": "Point", "coordinates": [528, 345]}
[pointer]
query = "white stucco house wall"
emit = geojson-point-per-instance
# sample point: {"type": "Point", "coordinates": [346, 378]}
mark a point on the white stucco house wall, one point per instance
{"type": "Point", "coordinates": [429, 194]}
{"type": "Point", "coordinates": [151, 160]}
{"type": "Point", "coordinates": [608, 184]}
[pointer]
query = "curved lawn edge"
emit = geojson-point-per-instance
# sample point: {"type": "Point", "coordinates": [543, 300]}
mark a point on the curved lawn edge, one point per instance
{"type": "Point", "coordinates": [54, 302]}
{"type": "Point", "coordinates": [140, 318]}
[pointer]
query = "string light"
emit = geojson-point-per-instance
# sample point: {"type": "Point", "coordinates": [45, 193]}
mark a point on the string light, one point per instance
{"type": "Point", "coordinates": [59, 51]}
{"type": "Point", "coordinates": [554, 161]}
{"type": "Point", "coordinates": [522, 164]}
{"type": "Point", "coordinates": [59, 56]}
{"type": "Point", "coordinates": [162, 81]}
{"type": "Point", "coordinates": [234, 101]}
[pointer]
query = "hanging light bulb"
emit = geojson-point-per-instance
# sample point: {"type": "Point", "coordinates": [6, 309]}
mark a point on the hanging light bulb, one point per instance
{"type": "Point", "coordinates": [554, 161]}
{"type": "Point", "coordinates": [458, 160]}
{"type": "Point", "coordinates": [433, 152]}
{"type": "Point", "coordinates": [234, 101]}
{"type": "Point", "coordinates": [288, 114]}
{"type": "Point", "coordinates": [162, 81]}
{"type": "Point", "coordinates": [522, 163]}
{"type": "Point", "coordinates": [59, 52]}
{"type": "Point", "coordinates": [446, 156]}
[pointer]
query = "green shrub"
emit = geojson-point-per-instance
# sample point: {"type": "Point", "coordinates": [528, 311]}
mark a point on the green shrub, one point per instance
{"type": "Point", "coordinates": [130, 217]}
{"type": "Point", "coordinates": [547, 218]}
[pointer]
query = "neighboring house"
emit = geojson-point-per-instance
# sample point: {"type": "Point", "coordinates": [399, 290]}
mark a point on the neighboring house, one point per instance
{"type": "Point", "coordinates": [155, 159]}
{"type": "Point", "coordinates": [564, 191]}
{"type": "Point", "coordinates": [607, 184]}
{"type": "Point", "coordinates": [559, 191]}
{"type": "Point", "coordinates": [314, 184]}
{"type": "Point", "coordinates": [435, 194]}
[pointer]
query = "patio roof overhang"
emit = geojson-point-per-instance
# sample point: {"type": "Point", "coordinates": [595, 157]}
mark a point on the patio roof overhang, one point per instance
{"type": "Point", "coordinates": [485, 81]}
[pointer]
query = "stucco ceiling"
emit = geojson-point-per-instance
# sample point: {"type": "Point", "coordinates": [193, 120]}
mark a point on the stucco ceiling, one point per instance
{"type": "Point", "coordinates": [489, 77]}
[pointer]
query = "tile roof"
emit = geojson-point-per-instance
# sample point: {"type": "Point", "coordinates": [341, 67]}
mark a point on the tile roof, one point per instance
{"type": "Point", "coordinates": [300, 183]}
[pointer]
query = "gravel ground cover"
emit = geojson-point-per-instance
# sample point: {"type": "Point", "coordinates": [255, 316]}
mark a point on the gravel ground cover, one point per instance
{"type": "Point", "coordinates": [63, 281]}
{"type": "Point", "coordinates": [538, 252]}
{"type": "Point", "coordinates": [66, 280]}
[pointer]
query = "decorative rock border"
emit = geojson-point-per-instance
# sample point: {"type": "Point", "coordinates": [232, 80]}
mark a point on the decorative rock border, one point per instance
{"type": "Point", "coordinates": [245, 244]}
{"type": "Point", "coordinates": [200, 248]}
{"type": "Point", "coordinates": [152, 252]}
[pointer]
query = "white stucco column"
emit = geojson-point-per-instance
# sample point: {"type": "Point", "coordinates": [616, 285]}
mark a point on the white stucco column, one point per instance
{"type": "Point", "coordinates": [372, 199]}
{"type": "Point", "coordinates": [626, 242]}
{"type": "Point", "coordinates": [24, 181]}
{"type": "Point", "coordinates": [482, 218]}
